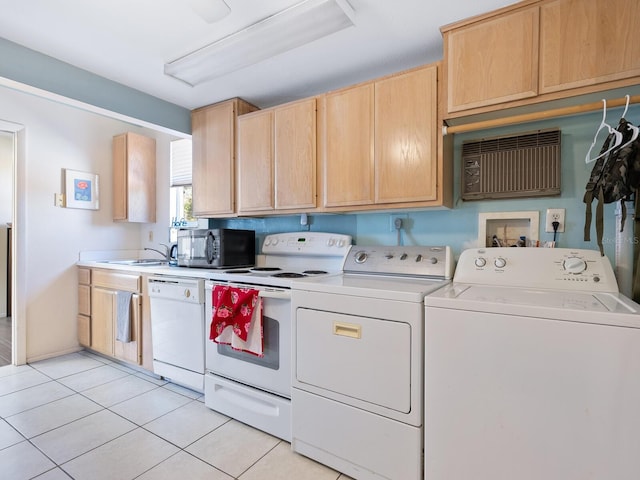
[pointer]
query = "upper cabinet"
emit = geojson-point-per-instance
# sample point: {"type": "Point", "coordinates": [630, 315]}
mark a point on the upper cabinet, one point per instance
{"type": "Point", "coordinates": [214, 139]}
{"type": "Point", "coordinates": [539, 50]}
{"type": "Point", "coordinates": [379, 144]}
{"type": "Point", "coordinates": [277, 159]}
{"type": "Point", "coordinates": [492, 61]}
{"type": "Point", "coordinates": [134, 178]}
{"type": "Point", "coordinates": [587, 42]}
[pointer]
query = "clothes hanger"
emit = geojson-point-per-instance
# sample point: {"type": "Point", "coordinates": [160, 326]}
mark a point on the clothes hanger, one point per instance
{"type": "Point", "coordinates": [631, 126]}
{"type": "Point", "coordinates": [604, 124]}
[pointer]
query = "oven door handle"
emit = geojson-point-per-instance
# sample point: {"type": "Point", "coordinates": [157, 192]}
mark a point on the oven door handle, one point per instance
{"type": "Point", "coordinates": [281, 294]}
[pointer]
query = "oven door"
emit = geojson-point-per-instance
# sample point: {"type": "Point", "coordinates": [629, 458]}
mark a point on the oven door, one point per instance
{"type": "Point", "coordinates": [272, 371]}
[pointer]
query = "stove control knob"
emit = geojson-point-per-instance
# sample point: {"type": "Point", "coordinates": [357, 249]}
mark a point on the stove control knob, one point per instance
{"type": "Point", "coordinates": [574, 265]}
{"type": "Point", "coordinates": [433, 260]}
{"type": "Point", "coordinates": [500, 262]}
{"type": "Point", "coordinates": [403, 256]}
{"type": "Point", "coordinates": [480, 262]}
{"type": "Point", "coordinates": [361, 257]}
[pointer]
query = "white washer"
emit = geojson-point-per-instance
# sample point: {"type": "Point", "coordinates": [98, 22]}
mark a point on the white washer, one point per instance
{"type": "Point", "coordinates": [532, 369]}
{"type": "Point", "coordinates": [357, 391]}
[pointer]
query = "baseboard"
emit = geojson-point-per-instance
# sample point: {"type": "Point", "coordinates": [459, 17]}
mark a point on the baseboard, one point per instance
{"type": "Point", "coordinates": [53, 354]}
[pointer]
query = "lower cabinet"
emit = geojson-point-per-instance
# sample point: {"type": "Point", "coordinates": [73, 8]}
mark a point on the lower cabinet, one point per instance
{"type": "Point", "coordinates": [97, 326]}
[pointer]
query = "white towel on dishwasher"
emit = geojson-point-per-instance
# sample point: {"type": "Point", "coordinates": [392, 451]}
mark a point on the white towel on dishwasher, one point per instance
{"type": "Point", "coordinates": [123, 316]}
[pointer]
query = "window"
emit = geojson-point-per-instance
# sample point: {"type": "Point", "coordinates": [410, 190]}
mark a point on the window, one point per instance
{"type": "Point", "coordinates": [181, 208]}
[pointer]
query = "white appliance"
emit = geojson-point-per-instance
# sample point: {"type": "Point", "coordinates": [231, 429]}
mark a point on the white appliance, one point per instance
{"type": "Point", "coordinates": [177, 329]}
{"type": "Point", "coordinates": [257, 390]}
{"type": "Point", "coordinates": [532, 369]}
{"type": "Point", "coordinates": [358, 361]}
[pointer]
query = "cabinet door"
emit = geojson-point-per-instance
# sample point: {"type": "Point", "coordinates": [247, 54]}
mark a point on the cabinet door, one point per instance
{"type": "Point", "coordinates": [405, 137]}
{"type": "Point", "coordinates": [295, 155]}
{"type": "Point", "coordinates": [213, 159]}
{"type": "Point", "coordinates": [131, 351]}
{"type": "Point", "coordinates": [255, 162]}
{"type": "Point", "coordinates": [347, 146]}
{"type": "Point", "coordinates": [134, 178]}
{"type": "Point", "coordinates": [492, 61]}
{"type": "Point", "coordinates": [102, 315]}
{"type": "Point", "coordinates": [588, 42]}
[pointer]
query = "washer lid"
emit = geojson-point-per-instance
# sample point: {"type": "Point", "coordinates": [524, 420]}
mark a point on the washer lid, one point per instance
{"type": "Point", "coordinates": [588, 307]}
{"type": "Point", "coordinates": [372, 286]}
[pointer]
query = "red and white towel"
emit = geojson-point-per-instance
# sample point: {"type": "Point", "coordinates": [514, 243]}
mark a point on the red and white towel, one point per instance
{"type": "Point", "coordinates": [237, 319]}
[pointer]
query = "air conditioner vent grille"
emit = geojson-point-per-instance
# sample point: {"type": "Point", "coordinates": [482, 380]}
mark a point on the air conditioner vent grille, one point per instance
{"type": "Point", "coordinates": [526, 165]}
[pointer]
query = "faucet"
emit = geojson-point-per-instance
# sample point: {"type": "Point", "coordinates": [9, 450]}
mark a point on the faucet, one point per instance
{"type": "Point", "coordinates": [166, 254]}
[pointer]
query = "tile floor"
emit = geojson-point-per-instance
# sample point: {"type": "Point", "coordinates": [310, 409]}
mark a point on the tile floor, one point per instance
{"type": "Point", "coordinates": [82, 416]}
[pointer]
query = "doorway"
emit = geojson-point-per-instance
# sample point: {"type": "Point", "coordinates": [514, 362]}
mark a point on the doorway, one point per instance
{"type": "Point", "coordinates": [7, 155]}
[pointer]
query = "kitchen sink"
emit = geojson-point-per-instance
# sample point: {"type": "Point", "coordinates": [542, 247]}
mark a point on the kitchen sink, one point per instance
{"type": "Point", "coordinates": [141, 262]}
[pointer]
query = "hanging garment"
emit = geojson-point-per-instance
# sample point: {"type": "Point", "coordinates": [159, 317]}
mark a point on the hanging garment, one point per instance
{"type": "Point", "coordinates": [614, 177]}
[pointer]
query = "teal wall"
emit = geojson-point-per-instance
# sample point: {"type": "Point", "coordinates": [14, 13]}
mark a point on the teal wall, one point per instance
{"type": "Point", "coordinates": [458, 227]}
{"type": "Point", "coordinates": [46, 73]}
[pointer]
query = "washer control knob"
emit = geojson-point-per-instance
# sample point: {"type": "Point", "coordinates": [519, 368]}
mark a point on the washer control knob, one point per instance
{"type": "Point", "coordinates": [419, 258]}
{"type": "Point", "coordinates": [187, 293]}
{"type": "Point", "coordinates": [340, 243]}
{"type": "Point", "coordinates": [574, 265]}
{"type": "Point", "coordinates": [433, 260]}
{"type": "Point", "coordinates": [388, 256]}
{"type": "Point", "coordinates": [331, 242]}
{"type": "Point", "coordinates": [403, 256]}
{"type": "Point", "coordinates": [500, 262]}
{"type": "Point", "coordinates": [480, 262]}
{"type": "Point", "coordinates": [361, 257]}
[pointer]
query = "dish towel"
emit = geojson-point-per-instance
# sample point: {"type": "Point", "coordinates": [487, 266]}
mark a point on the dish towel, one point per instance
{"type": "Point", "coordinates": [237, 319]}
{"type": "Point", "coordinates": [123, 316]}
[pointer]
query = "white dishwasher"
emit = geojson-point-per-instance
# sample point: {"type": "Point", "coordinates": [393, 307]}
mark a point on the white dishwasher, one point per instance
{"type": "Point", "coordinates": [178, 329]}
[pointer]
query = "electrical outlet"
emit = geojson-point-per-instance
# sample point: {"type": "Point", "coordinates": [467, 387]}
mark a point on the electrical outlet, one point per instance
{"type": "Point", "coordinates": [402, 217]}
{"type": "Point", "coordinates": [554, 215]}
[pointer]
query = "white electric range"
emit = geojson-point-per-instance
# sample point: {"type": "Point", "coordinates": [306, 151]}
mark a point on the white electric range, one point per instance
{"type": "Point", "coordinates": [357, 396]}
{"type": "Point", "coordinates": [256, 389]}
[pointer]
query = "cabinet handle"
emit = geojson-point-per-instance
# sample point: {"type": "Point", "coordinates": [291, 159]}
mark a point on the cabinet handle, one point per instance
{"type": "Point", "coordinates": [347, 329]}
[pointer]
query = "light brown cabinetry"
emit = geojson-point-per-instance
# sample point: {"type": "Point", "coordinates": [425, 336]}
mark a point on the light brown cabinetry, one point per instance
{"type": "Point", "coordinates": [134, 178]}
{"type": "Point", "coordinates": [105, 287]}
{"type": "Point", "coordinates": [587, 42]}
{"type": "Point", "coordinates": [277, 159]}
{"type": "Point", "coordinates": [379, 143]}
{"type": "Point", "coordinates": [492, 61]}
{"type": "Point", "coordinates": [214, 155]}
{"type": "Point", "coordinates": [84, 307]}
{"type": "Point", "coordinates": [540, 50]}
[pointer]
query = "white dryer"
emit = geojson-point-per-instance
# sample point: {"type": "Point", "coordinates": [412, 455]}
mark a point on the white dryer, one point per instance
{"type": "Point", "coordinates": [532, 369]}
{"type": "Point", "coordinates": [357, 391]}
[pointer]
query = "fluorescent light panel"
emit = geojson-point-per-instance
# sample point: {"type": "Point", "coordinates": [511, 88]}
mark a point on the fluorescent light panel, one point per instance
{"type": "Point", "coordinates": [291, 28]}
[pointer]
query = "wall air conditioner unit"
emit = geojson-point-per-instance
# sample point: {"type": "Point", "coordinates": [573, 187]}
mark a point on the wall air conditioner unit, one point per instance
{"type": "Point", "coordinates": [526, 165]}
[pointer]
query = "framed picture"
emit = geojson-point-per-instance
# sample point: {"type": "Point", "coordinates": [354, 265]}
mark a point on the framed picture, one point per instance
{"type": "Point", "coordinates": [81, 190]}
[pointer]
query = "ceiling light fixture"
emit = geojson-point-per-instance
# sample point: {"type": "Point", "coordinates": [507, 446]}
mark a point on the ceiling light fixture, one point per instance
{"type": "Point", "coordinates": [288, 29]}
{"type": "Point", "coordinates": [210, 11]}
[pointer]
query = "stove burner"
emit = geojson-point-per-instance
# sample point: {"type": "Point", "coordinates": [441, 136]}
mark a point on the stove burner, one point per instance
{"type": "Point", "coordinates": [315, 272]}
{"type": "Point", "coordinates": [238, 271]}
{"type": "Point", "coordinates": [288, 275]}
{"type": "Point", "coordinates": [265, 269]}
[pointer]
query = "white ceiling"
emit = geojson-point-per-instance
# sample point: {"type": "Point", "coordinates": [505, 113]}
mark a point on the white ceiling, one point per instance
{"type": "Point", "coordinates": [129, 41]}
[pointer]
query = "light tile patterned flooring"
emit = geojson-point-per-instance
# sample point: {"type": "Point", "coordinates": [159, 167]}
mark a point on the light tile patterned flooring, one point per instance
{"type": "Point", "coordinates": [82, 416]}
